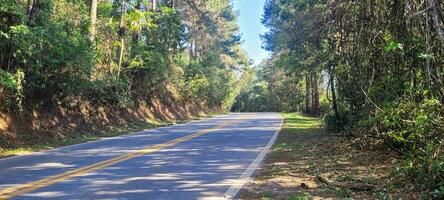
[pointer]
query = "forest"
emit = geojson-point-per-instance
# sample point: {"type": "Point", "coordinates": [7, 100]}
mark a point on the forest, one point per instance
{"type": "Point", "coordinates": [116, 52]}
{"type": "Point", "coordinates": [372, 70]}
{"type": "Point", "coordinates": [73, 63]}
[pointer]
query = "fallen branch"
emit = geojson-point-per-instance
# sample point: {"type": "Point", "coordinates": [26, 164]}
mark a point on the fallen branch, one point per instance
{"type": "Point", "coordinates": [370, 100]}
{"type": "Point", "coordinates": [422, 11]}
{"type": "Point", "coordinates": [352, 186]}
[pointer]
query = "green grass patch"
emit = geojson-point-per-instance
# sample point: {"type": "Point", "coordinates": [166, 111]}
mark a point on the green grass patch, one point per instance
{"type": "Point", "coordinates": [289, 146]}
{"type": "Point", "coordinates": [300, 122]}
{"type": "Point", "coordinates": [296, 124]}
{"type": "Point", "coordinates": [267, 196]}
{"type": "Point", "coordinates": [302, 196]}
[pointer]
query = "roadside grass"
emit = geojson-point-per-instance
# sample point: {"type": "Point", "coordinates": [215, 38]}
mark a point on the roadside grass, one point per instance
{"type": "Point", "coordinates": [83, 137]}
{"type": "Point", "coordinates": [289, 141]}
{"type": "Point", "coordinates": [288, 158]}
{"type": "Point", "coordinates": [303, 152]}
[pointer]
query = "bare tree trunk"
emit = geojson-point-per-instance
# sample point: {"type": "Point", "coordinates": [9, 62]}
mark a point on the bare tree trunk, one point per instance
{"type": "Point", "coordinates": [29, 5]}
{"type": "Point", "coordinates": [333, 96]}
{"type": "Point", "coordinates": [93, 15]}
{"type": "Point", "coordinates": [32, 4]}
{"type": "Point", "coordinates": [122, 51]}
{"type": "Point", "coordinates": [437, 22]}
{"type": "Point", "coordinates": [154, 5]}
{"type": "Point", "coordinates": [122, 36]}
{"type": "Point", "coordinates": [427, 43]}
{"type": "Point", "coordinates": [135, 36]}
{"type": "Point", "coordinates": [307, 93]}
{"type": "Point", "coordinates": [191, 51]}
{"type": "Point", "coordinates": [315, 95]}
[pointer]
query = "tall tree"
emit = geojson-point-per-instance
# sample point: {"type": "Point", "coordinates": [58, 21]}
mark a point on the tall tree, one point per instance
{"type": "Point", "coordinates": [93, 16]}
{"type": "Point", "coordinates": [153, 5]}
{"type": "Point", "coordinates": [122, 32]}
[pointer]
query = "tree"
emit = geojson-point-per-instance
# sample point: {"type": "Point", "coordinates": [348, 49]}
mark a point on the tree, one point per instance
{"type": "Point", "coordinates": [93, 17]}
{"type": "Point", "coordinates": [47, 59]}
{"type": "Point", "coordinates": [384, 74]}
{"type": "Point", "coordinates": [122, 31]}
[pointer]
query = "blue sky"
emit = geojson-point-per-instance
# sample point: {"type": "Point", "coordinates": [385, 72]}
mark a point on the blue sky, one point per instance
{"type": "Point", "coordinates": [250, 25]}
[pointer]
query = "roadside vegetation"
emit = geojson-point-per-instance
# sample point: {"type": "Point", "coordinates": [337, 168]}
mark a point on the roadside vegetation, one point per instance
{"type": "Point", "coordinates": [307, 163]}
{"type": "Point", "coordinates": [372, 71]}
{"type": "Point", "coordinates": [86, 66]}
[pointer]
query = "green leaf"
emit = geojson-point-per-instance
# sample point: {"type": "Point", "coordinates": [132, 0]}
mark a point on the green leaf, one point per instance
{"type": "Point", "coordinates": [393, 46]}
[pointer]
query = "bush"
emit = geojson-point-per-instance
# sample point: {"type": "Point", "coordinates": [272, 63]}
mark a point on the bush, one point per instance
{"type": "Point", "coordinates": [110, 91]}
{"type": "Point", "coordinates": [332, 123]}
{"type": "Point", "coordinates": [11, 90]}
{"type": "Point", "coordinates": [416, 130]}
{"type": "Point", "coordinates": [425, 167]}
{"type": "Point", "coordinates": [411, 126]}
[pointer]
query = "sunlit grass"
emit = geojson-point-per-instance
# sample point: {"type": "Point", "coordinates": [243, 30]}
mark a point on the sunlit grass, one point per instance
{"type": "Point", "coordinates": [297, 120]}
{"type": "Point", "coordinates": [289, 143]}
{"type": "Point", "coordinates": [18, 151]}
{"type": "Point", "coordinates": [297, 123]}
{"type": "Point", "coordinates": [289, 155]}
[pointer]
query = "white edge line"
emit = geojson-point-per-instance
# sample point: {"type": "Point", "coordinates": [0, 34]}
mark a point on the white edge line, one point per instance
{"type": "Point", "coordinates": [257, 162]}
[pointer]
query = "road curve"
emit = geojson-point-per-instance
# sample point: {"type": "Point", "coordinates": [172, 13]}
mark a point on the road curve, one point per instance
{"type": "Point", "coordinates": [206, 159]}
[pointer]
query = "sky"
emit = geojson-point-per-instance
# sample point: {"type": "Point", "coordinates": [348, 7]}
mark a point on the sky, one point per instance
{"type": "Point", "coordinates": [249, 20]}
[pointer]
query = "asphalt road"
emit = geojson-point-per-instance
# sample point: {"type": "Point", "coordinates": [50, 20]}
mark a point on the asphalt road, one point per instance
{"type": "Point", "coordinates": [207, 159]}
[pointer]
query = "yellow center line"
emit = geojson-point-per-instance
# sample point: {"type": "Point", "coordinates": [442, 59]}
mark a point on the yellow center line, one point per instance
{"type": "Point", "coordinates": [31, 186]}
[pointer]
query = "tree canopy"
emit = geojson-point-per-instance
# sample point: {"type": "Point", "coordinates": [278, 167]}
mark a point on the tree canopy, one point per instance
{"type": "Point", "coordinates": [371, 69]}
{"type": "Point", "coordinates": [116, 52]}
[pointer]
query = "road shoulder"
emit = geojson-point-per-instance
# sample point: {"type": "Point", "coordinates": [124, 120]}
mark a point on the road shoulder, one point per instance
{"type": "Point", "coordinates": [303, 154]}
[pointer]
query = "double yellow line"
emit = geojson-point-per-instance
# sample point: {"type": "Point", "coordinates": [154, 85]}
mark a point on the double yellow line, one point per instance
{"type": "Point", "coordinates": [31, 186]}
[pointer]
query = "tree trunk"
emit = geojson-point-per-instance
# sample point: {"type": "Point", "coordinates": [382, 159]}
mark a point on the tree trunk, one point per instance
{"type": "Point", "coordinates": [333, 96]}
{"type": "Point", "coordinates": [315, 95]}
{"type": "Point", "coordinates": [32, 4]}
{"type": "Point", "coordinates": [135, 36]}
{"type": "Point", "coordinates": [29, 5]}
{"type": "Point", "coordinates": [154, 5]}
{"type": "Point", "coordinates": [437, 22]}
{"type": "Point", "coordinates": [122, 36]}
{"type": "Point", "coordinates": [93, 16]}
{"type": "Point", "coordinates": [191, 51]}
{"type": "Point", "coordinates": [307, 93]}
{"type": "Point", "coordinates": [122, 51]}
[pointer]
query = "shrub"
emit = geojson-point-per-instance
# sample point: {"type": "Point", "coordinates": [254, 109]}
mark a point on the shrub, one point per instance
{"type": "Point", "coordinates": [416, 130]}
{"type": "Point", "coordinates": [411, 126]}
{"type": "Point", "coordinates": [331, 121]}
{"type": "Point", "coordinates": [11, 90]}
{"type": "Point", "coordinates": [110, 91]}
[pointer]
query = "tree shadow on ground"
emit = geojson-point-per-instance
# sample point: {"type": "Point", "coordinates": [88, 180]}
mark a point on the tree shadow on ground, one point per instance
{"type": "Point", "coordinates": [302, 151]}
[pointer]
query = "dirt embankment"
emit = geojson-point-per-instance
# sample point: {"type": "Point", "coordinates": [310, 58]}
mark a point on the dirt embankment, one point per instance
{"type": "Point", "coordinates": [40, 126]}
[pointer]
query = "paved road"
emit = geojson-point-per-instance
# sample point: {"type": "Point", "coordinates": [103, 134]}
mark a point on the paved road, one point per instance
{"type": "Point", "coordinates": [204, 159]}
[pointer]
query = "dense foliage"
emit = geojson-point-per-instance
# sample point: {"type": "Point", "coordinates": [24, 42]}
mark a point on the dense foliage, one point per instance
{"type": "Point", "coordinates": [381, 68]}
{"type": "Point", "coordinates": [117, 52]}
{"type": "Point", "coordinates": [371, 69]}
